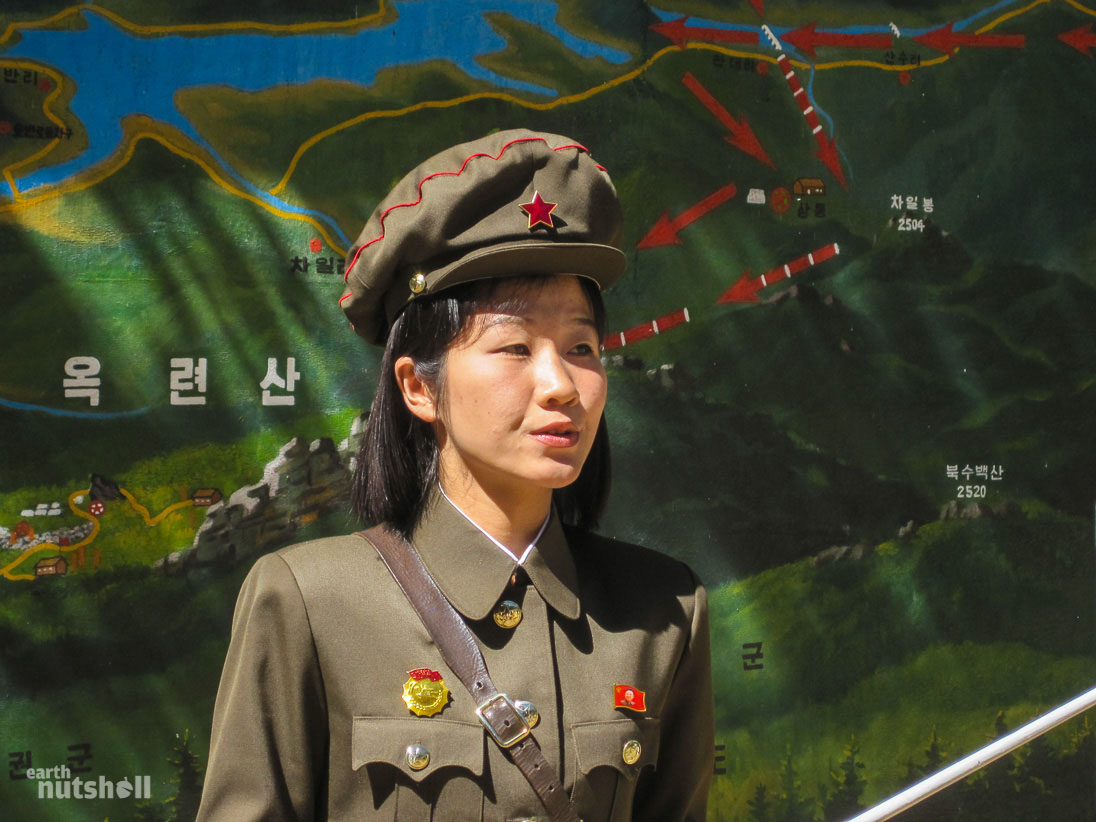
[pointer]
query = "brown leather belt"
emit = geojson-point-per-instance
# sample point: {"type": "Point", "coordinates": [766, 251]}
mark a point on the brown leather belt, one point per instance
{"type": "Point", "coordinates": [461, 653]}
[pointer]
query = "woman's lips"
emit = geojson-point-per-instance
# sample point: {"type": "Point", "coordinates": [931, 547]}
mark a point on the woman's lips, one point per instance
{"type": "Point", "coordinates": [556, 436]}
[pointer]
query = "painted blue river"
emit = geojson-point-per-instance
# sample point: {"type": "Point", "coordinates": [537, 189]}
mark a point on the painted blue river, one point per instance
{"type": "Point", "coordinates": [119, 74]}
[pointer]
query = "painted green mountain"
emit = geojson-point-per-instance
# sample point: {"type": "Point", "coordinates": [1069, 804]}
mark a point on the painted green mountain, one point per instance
{"type": "Point", "coordinates": [934, 633]}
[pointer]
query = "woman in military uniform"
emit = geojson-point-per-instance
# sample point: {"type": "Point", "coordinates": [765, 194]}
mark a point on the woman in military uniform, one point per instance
{"type": "Point", "coordinates": [487, 453]}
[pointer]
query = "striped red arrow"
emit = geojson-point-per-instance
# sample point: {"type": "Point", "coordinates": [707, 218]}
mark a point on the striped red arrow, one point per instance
{"type": "Point", "coordinates": [946, 40]}
{"type": "Point", "coordinates": [806, 38]}
{"type": "Point", "coordinates": [679, 34]}
{"type": "Point", "coordinates": [665, 230]}
{"type": "Point", "coordinates": [742, 136]}
{"type": "Point", "coordinates": [827, 153]}
{"type": "Point", "coordinates": [619, 339]}
{"type": "Point", "coordinates": [745, 290]}
{"type": "Point", "coordinates": [1081, 39]}
{"type": "Point", "coordinates": [827, 147]}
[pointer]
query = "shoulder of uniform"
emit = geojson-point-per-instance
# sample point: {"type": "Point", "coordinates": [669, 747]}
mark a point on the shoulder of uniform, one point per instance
{"type": "Point", "coordinates": [329, 561]}
{"type": "Point", "coordinates": [323, 549]}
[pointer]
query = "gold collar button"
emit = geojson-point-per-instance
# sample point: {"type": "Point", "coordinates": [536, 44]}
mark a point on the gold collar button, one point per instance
{"type": "Point", "coordinates": [507, 614]}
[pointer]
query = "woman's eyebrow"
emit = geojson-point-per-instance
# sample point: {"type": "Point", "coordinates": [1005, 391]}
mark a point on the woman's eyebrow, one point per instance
{"type": "Point", "coordinates": [526, 320]}
{"type": "Point", "coordinates": [504, 319]}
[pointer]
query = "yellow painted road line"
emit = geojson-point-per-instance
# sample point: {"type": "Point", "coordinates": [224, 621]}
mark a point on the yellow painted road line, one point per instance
{"type": "Point", "coordinates": [1082, 9]}
{"type": "Point", "coordinates": [1009, 16]}
{"type": "Point", "coordinates": [109, 169]}
{"type": "Point", "coordinates": [197, 28]}
{"type": "Point", "coordinates": [935, 61]}
{"type": "Point", "coordinates": [49, 546]}
{"type": "Point", "coordinates": [80, 512]}
{"type": "Point", "coordinates": [505, 97]}
{"type": "Point", "coordinates": [561, 101]}
{"type": "Point", "coordinates": [8, 172]}
{"type": "Point", "coordinates": [36, 24]}
{"type": "Point", "coordinates": [150, 520]}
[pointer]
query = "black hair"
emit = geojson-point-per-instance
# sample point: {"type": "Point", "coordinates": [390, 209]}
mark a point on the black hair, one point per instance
{"type": "Point", "coordinates": [397, 463]}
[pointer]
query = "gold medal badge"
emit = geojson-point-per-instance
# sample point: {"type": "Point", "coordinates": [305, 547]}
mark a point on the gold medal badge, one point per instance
{"type": "Point", "coordinates": [425, 692]}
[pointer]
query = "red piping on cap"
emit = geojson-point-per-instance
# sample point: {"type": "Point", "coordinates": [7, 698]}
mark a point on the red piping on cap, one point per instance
{"type": "Point", "coordinates": [363, 246]}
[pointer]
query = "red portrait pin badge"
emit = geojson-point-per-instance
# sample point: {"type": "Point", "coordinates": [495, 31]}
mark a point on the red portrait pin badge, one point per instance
{"type": "Point", "coordinates": [629, 697]}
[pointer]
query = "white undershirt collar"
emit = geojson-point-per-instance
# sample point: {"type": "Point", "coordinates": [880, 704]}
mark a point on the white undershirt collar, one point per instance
{"type": "Point", "coordinates": [525, 554]}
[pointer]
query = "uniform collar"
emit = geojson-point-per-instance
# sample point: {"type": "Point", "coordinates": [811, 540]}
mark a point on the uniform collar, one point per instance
{"type": "Point", "coordinates": [473, 573]}
{"type": "Point", "coordinates": [528, 548]}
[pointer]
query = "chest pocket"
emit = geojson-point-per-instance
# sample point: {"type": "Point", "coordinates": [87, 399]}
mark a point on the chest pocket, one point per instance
{"type": "Point", "coordinates": [610, 756]}
{"type": "Point", "coordinates": [420, 765]}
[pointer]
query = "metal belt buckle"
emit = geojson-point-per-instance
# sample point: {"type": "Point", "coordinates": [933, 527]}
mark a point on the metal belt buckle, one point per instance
{"type": "Point", "coordinates": [502, 720]}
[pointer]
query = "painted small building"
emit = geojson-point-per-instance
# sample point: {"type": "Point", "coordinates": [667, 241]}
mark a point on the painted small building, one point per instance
{"type": "Point", "coordinates": [51, 567]}
{"type": "Point", "coordinates": [205, 497]}
{"type": "Point", "coordinates": [809, 187]}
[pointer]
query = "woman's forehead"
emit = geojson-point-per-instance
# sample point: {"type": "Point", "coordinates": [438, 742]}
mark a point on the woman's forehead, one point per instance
{"type": "Point", "coordinates": [552, 301]}
{"type": "Point", "coordinates": [522, 299]}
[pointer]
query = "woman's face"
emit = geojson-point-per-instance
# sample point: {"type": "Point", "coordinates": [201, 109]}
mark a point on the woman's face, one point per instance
{"type": "Point", "coordinates": [523, 395]}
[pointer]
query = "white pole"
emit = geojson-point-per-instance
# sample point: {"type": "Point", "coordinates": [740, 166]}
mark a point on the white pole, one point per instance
{"type": "Point", "coordinates": [979, 759]}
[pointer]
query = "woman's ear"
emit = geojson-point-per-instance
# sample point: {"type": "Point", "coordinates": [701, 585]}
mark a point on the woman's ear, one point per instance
{"type": "Point", "coordinates": [417, 395]}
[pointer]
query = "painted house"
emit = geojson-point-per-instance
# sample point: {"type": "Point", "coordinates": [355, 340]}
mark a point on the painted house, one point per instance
{"type": "Point", "coordinates": [51, 567]}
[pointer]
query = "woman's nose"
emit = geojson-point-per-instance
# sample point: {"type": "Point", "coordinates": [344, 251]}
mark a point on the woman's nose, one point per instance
{"type": "Point", "coordinates": [554, 382]}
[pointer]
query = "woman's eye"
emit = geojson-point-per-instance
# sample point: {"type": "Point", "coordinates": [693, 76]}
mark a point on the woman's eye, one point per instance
{"type": "Point", "coordinates": [584, 349]}
{"type": "Point", "coordinates": [518, 349]}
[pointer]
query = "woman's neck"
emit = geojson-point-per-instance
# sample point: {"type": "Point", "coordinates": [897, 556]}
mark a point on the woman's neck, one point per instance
{"type": "Point", "coordinates": [514, 519]}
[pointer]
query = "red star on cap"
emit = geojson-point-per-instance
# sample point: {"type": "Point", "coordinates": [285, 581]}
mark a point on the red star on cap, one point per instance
{"type": "Point", "coordinates": [539, 211]}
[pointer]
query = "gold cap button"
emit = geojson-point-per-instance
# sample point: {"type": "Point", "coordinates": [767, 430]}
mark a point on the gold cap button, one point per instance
{"type": "Point", "coordinates": [632, 751]}
{"type": "Point", "coordinates": [507, 614]}
{"type": "Point", "coordinates": [417, 757]}
{"type": "Point", "coordinates": [418, 283]}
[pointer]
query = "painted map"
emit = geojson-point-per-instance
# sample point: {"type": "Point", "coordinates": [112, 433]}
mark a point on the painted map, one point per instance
{"type": "Point", "coordinates": [853, 372]}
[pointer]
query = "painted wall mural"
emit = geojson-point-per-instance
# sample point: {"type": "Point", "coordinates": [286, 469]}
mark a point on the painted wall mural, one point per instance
{"type": "Point", "coordinates": [853, 370]}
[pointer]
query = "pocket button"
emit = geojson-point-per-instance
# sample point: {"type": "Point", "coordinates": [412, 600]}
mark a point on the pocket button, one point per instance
{"type": "Point", "coordinates": [417, 757]}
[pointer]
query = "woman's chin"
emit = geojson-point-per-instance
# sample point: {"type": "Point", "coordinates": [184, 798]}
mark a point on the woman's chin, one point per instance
{"type": "Point", "coordinates": [559, 471]}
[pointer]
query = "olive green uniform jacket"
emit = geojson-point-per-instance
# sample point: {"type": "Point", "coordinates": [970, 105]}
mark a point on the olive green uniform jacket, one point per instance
{"type": "Point", "coordinates": [310, 723]}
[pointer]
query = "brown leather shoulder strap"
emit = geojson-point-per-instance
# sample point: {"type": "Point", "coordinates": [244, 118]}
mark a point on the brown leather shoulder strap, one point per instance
{"type": "Point", "coordinates": [461, 653]}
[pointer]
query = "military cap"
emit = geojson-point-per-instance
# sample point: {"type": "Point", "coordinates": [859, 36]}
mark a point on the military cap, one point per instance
{"type": "Point", "coordinates": [514, 202]}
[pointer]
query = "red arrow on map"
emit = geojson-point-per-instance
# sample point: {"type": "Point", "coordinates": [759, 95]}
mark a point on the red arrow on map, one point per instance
{"type": "Point", "coordinates": [664, 231]}
{"type": "Point", "coordinates": [619, 339]}
{"type": "Point", "coordinates": [1081, 39]}
{"type": "Point", "coordinates": [741, 136]}
{"type": "Point", "coordinates": [759, 6]}
{"type": "Point", "coordinates": [679, 34]}
{"type": "Point", "coordinates": [806, 38]}
{"type": "Point", "coordinates": [827, 148]}
{"type": "Point", "coordinates": [827, 153]}
{"type": "Point", "coordinates": [945, 40]}
{"type": "Point", "coordinates": [745, 290]}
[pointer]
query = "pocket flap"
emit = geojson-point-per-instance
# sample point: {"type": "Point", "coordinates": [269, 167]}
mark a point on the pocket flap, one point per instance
{"type": "Point", "coordinates": [446, 744]}
{"type": "Point", "coordinates": [629, 745]}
